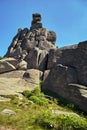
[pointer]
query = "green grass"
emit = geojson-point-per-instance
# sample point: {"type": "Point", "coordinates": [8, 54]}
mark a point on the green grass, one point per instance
{"type": "Point", "coordinates": [37, 115]}
{"type": "Point", "coordinates": [1, 57]}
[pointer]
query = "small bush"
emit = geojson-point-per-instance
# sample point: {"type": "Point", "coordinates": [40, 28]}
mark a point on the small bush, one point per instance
{"type": "Point", "coordinates": [61, 122]}
{"type": "Point", "coordinates": [27, 93]}
{"type": "Point", "coordinates": [71, 122]}
{"type": "Point", "coordinates": [39, 100]}
{"type": "Point", "coordinates": [34, 92]}
{"type": "Point", "coordinates": [46, 120]}
{"type": "Point", "coordinates": [14, 101]}
{"type": "Point", "coordinates": [71, 106]}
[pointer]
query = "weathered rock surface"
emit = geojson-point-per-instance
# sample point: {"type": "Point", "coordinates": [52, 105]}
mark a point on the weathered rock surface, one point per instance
{"type": "Point", "coordinates": [17, 81]}
{"type": "Point", "coordinates": [68, 65]}
{"type": "Point", "coordinates": [11, 60]}
{"type": "Point", "coordinates": [59, 77]}
{"type": "Point", "coordinates": [63, 81]}
{"type": "Point", "coordinates": [73, 56]}
{"type": "Point", "coordinates": [37, 59]}
{"type": "Point", "coordinates": [22, 65]}
{"type": "Point", "coordinates": [6, 67]}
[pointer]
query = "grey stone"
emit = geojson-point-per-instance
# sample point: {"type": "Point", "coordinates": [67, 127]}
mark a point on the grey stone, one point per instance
{"type": "Point", "coordinates": [59, 77]}
{"type": "Point", "coordinates": [15, 82]}
{"type": "Point", "coordinates": [63, 82]}
{"type": "Point", "coordinates": [72, 56]}
{"type": "Point", "coordinates": [32, 76]}
{"type": "Point", "coordinates": [8, 112]}
{"type": "Point", "coordinates": [11, 60]}
{"type": "Point", "coordinates": [22, 65]}
{"type": "Point", "coordinates": [78, 95]}
{"type": "Point", "coordinates": [6, 67]}
{"type": "Point", "coordinates": [27, 44]}
{"type": "Point", "coordinates": [51, 36]}
{"type": "Point", "coordinates": [32, 58]}
{"type": "Point", "coordinates": [45, 45]}
{"type": "Point", "coordinates": [36, 22]}
{"type": "Point", "coordinates": [37, 59]}
{"type": "Point", "coordinates": [24, 33]}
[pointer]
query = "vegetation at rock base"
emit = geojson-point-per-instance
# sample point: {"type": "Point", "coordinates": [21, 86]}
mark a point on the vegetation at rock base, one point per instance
{"type": "Point", "coordinates": [34, 112]}
{"type": "Point", "coordinates": [1, 57]}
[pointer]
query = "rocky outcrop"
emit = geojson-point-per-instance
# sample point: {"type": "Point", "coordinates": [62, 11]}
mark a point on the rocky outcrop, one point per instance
{"type": "Point", "coordinates": [33, 45]}
{"type": "Point", "coordinates": [33, 56]}
{"type": "Point", "coordinates": [68, 65]}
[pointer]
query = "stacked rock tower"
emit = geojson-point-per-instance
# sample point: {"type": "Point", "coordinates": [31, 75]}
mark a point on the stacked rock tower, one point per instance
{"type": "Point", "coordinates": [32, 45]}
{"type": "Point", "coordinates": [36, 22]}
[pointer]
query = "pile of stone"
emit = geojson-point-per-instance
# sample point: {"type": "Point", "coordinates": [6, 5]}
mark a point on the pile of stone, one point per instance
{"type": "Point", "coordinates": [32, 45]}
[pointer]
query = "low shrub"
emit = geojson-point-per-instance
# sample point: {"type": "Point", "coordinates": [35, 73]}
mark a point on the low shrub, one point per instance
{"type": "Point", "coordinates": [27, 93]}
{"type": "Point", "coordinates": [46, 120]}
{"type": "Point", "coordinates": [35, 92]}
{"type": "Point", "coordinates": [71, 122]}
{"type": "Point", "coordinates": [39, 100]}
{"type": "Point", "coordinates": [61, 122]}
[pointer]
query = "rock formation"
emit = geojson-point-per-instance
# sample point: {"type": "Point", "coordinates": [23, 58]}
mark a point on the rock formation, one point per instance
{"type": "Point", "coordinates": [32, 45]}
{"type": "Point", "coordinates": [33, 55]}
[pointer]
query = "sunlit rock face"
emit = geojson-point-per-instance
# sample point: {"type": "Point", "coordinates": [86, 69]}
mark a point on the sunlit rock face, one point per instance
{"type": "Point", "coordinates": [33, 45]}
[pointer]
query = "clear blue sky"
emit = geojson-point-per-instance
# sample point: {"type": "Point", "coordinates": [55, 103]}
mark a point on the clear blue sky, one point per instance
{"type": "Point", "coordinates": [68, 18]}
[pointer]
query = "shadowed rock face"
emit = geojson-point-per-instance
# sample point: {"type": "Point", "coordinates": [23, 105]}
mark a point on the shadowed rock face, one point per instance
{"type": "Point", "coordinates": [64, 69]}
{"type": "Point", "coordinates": [67, 73]}
{"type": "Point", "coordinates": [36, 22]}
{"type": "Point", "coordinates": [72, 56]}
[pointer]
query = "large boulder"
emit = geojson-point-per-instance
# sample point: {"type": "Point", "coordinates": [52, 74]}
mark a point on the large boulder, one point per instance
{"type": "Point", "coordinates": [63, 81]}
{"type": "Point", "coordinates": [72, 56]}
{"type": "Point", "coordinates": [17, 81]}
{"type": "Point", "coordinates": [57, 78]}
{"type": "Point", "coordinates": [78, 95]}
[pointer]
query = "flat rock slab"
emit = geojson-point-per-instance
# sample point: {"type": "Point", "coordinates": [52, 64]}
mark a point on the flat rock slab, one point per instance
{"type": "Point", "coordinates": [58, 112]}
{"type": "Point", "coordinates": [17, 81]}
{"type": "Point", "coordinates": [14, 85]}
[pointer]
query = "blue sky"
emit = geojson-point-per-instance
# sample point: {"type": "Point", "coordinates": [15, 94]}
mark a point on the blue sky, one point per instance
{"type": "Point", "coordinates": [68, 18]}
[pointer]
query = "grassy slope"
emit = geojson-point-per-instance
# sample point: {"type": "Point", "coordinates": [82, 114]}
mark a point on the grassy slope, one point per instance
{"type": "Point", "coordinates": [38, 115]}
